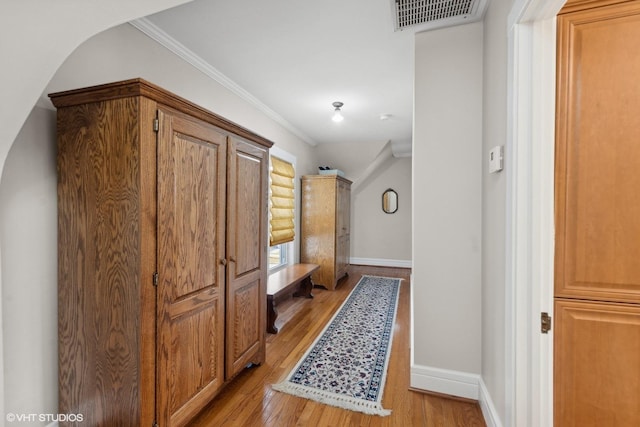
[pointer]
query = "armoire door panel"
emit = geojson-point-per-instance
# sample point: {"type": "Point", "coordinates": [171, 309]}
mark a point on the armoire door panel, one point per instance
{"type": "Point", "coordinates": [597, 364]}
{"type": "Point", "coordinates": [247, 169]}
{"type": "Point", "coordinates": [248, 221]}
{"type": "Point", "coordinates": [598, 155]}
{"type": "Point", "coordinates": [343, 201]}
{"type": "Point", "coordinates": [196, 196]}
{"type": "Point", "coordinates": [191, 291]}
{"type": "Point", "coordinates": [194, 364]}
{"type": "Point", "coordinates": [245, 326]}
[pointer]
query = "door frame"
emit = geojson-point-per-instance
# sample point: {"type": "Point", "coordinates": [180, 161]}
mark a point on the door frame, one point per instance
{"type": "Point", "coordinates": [530, 210]}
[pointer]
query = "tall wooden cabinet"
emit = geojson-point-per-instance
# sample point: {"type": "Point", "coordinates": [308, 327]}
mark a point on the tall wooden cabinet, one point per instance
{"type": "Point", "coordinates": [325, 227]}
{"type": "Point", "coordinates": [162, 254]}
{"type": "Point", "coordinates": [597, 273]}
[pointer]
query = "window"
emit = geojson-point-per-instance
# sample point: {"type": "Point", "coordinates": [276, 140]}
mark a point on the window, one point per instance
{"type": "Point", "coordinates": [281, 212]}
{"type": "Point", "coordinates": [282, 202]}
{"type": "Point", "coordinates": [278, 256]}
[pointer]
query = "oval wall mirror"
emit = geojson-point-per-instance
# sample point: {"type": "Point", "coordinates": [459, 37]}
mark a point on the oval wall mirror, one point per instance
{"type": "Point", "coordinates": [389, 201]}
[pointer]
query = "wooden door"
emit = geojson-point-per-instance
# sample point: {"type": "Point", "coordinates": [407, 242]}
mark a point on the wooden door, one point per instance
{"type": "Point", "coordinates": [247, 255]}
{"type": "Point", "coordinates": [318, 226]}
{"type": "Point", "coordinates": [597, 275]}
{"type": "Point", "coordinates": [343, 202]}
{"type": "Point", "coordinates": [191, 249]}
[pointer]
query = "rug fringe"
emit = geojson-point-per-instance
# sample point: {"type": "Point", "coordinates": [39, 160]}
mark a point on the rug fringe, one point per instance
{"type": "Point", "coordinates": [338, 400]}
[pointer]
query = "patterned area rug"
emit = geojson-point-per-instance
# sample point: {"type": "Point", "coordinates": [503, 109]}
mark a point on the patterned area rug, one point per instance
{"type": "Point", "coordinates": [346, 366]}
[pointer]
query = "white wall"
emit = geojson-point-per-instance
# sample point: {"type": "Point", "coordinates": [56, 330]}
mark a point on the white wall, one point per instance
{"type": "Point", "coordinates": [378, 238]}
{"type": "Point", "coordinates": [353, 159]}
{"type": "Point", "coordinates": [447, 189]}
{"type": "Point", "coordinates": [28, 227]}
{"type": "Point", "coordinates": [494, 223]}
{"type": "Point", "coordinates": [26, 29]}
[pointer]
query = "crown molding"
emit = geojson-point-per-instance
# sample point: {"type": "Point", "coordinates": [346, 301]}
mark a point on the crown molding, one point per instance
{"type": "Point", "coordinates": [155, 33]}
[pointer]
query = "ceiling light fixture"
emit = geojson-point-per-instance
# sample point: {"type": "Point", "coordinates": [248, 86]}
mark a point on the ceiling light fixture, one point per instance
{"type": "Point", "coordinates": [337, 114]}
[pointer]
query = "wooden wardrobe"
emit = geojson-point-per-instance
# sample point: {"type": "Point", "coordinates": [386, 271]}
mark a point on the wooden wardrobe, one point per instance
{"type": "Point", "coordinates": [162, 254]}
{"type": "Point", "coordinates": [325, 227]}
{"type": "Point", "coordinates": [597, 267]}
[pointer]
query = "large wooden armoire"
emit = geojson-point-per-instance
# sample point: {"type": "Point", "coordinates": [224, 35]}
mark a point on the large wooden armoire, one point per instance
{"type": "Point", "coordinates": [162, 254]}
{"type": "Point", "coordinates": [325, 227]}
{"type": "Point", "coordinates": [597, 243]}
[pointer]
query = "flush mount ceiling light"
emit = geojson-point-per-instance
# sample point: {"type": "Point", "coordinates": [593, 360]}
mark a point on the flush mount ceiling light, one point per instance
{"type": "Point", "coordinates": [337, 114]}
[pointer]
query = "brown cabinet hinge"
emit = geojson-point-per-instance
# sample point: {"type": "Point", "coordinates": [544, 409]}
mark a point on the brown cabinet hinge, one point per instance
{"type": "Point", "coordinates": [156, 125]}
{"type": "Point", "coordinates": [155, 279]}
{"type": "Point", "coordinates": [545, 322]}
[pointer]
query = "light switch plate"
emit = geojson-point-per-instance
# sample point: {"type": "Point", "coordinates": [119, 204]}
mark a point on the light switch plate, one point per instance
{"type": "Point", "coordinates": [495, 159]}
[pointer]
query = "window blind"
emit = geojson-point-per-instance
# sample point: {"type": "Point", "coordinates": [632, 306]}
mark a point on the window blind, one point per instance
{"type": "Point", "coordinates": [282, 202]}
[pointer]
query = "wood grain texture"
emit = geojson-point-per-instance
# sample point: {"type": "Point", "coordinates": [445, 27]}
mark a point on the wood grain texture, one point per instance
{"type": "Point", "coordinates": [325, 228]}
{"type": "Point", "coordinates": [597, 274]}
{"type": "Point", "coordinates": [191, 288]}
{"type": "Point", "coordinates": [247, 255]}
{"type": "Point", "coordinates": [250, 401]}
{"type": "Point", "coordinates": [148, 259]}
{"type": "Point", "coordinates": [140, 87]}
{"type": "Point", "coordinates": [133, 202]}
{"type": "Point", "coordinates": [597, 154]}
{"type": "Point", "coordinates": [580, 5]}
{"type": "Point", "coordinates": [99, 286]}
{"type": "Point", "coordinates": [281, 280]}
{"type": "Point", "coordinates": [292, 280]}
{"type": "Point", "coordinates": [597, 364]}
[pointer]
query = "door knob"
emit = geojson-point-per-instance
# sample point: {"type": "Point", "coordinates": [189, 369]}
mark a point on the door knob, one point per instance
{"type": "Point", "coordinates": [223, 261]}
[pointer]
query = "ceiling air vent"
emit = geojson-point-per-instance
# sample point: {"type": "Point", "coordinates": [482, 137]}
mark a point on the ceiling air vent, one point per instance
{"type": "Point", "coordinates": [430, 14]}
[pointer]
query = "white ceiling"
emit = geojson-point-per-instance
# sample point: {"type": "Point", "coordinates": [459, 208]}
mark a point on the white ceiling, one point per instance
{"type": "Point", "coordinates": [294, 58]}
{"type": "Point", "coordinates": [297, 57]}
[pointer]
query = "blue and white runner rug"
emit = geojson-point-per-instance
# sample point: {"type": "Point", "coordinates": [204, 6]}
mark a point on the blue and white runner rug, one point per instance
{"type": "Point", "coordinates": [346, 366]}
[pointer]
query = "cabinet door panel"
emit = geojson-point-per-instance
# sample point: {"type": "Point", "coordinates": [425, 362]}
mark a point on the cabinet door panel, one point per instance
{"type": "Point", "coordinates": [191, 291]}
{"type": "Point", "coordinates": [195, 372]}
{"type": "Point", "coordinates": [343, 213]}
{"type": "Point", "coordinates": [247, 253]}
{"type": "Point", "coordinates": [598, 155]}
{"type": "Point", "coordinates": [596, 364]}
{"type": "Point", "coordinates": [247, 216]}
{"type": "Point", "coordinates": [343, 200]}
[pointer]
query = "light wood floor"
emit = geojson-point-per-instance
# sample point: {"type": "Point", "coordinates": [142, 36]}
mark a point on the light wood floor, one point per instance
{"type": "Point", "coordinates": [250, 401]}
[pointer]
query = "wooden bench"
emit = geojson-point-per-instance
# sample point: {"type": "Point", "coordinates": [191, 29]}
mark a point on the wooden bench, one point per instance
{"type": "Point", "coordinates": [294, 279]}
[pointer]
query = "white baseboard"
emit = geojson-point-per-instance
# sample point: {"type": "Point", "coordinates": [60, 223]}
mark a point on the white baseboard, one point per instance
{"type": "Point", "coordinates": [444, 381]}
{"type": "Point", "coordinates": [381, 262]}
{"type": "Point", "coordinates": [489, 412]}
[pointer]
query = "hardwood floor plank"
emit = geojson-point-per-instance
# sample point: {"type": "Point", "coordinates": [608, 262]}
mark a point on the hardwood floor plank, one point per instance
{"type": "Point", "coordinates": [250, 401]}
